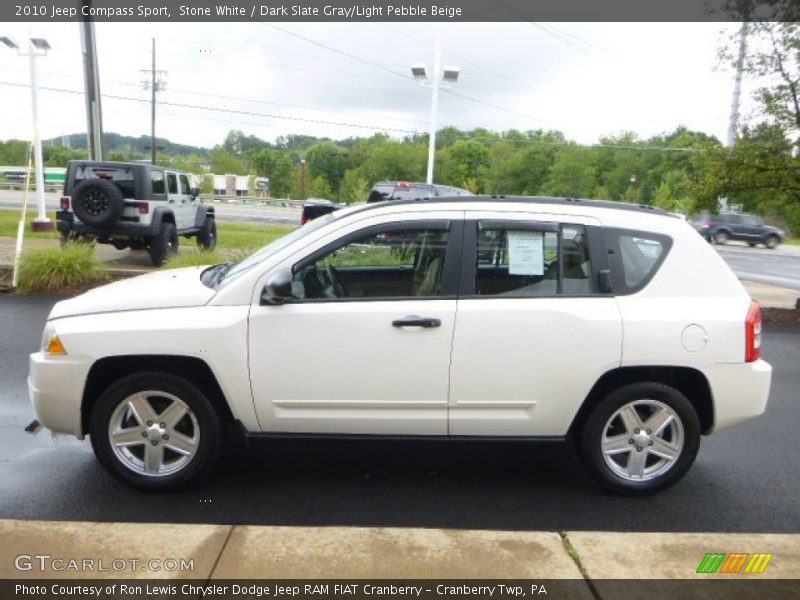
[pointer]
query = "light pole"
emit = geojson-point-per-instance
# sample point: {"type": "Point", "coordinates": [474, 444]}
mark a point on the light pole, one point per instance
{"type": "Point", "coordinates": [36, 47]}
{"type": "Point", "coordinates": [302, 178]}
{"type": "Point", "coordinates": [439, 78]}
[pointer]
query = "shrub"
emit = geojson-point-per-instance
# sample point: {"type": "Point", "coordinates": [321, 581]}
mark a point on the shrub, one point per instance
{"type": "Point", "coordinates": [59, 269]}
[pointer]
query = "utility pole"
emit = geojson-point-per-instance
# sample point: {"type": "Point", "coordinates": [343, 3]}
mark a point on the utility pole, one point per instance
{"type": "Point", "coordinates": [91, 85]}
{"type": "Point", "coordinates": [475, 162]}
{"type": "Point", "coordinates": [154, 84]}
{"type": "Point", "coordinates": [733, 125]}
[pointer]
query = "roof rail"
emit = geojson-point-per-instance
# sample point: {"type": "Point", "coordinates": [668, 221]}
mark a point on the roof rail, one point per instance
{"type": "Point", "coordinates": [528, 200]}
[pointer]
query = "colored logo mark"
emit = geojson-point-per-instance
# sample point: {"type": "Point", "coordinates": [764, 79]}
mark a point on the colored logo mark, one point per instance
{"type": "Point", "coordinates": [736, 562]}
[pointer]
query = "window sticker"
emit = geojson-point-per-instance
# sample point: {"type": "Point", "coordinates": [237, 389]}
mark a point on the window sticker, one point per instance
{"type": "Point", "coordinates": [525, 253]}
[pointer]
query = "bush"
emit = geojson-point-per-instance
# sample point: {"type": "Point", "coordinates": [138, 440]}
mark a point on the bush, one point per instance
{"type": "Point", "coordinates": [193, 259]}
{"type": "Point", "coordinates": [59, 269]}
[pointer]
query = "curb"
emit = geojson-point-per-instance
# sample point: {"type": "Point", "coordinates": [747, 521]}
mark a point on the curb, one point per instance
{"type": "Point", "coordinates": [268, 552]}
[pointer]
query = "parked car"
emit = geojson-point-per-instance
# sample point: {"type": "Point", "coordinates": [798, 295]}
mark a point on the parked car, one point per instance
{"type": "Point", "coordinates": [382, 191]}
{"type": "Point", "coordinates": [133, 205]}
{"type": "Point", "coordinates": [609, 324]}
{"type": "Point", "coordinates": [740, 227]}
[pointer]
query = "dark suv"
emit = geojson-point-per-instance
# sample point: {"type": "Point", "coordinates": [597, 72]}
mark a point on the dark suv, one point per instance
{"type": "Point", "coordinates": [740, 227]}
{"type": "Point", "coordinates": [386, 190]}
{"type": "Point", "coordinates": [133, 205]}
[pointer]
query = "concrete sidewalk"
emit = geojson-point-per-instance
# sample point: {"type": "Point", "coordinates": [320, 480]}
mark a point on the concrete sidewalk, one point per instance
{"type": "Point", "coordinates": [256, 552]}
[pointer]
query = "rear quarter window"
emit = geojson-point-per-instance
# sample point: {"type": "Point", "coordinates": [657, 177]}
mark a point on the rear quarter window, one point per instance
{"type": "Point", "coordinates": [635, 257]}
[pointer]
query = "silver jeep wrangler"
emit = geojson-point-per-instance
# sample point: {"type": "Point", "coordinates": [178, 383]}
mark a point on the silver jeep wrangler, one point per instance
{"type": "Point", "coordinates": [133, 205]}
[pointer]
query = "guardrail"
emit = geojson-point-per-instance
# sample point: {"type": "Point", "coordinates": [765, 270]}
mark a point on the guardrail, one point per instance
{"type": "Point", "coordinates": [252, 200]}
{"type": "Point", "coordinates": [53, 188]}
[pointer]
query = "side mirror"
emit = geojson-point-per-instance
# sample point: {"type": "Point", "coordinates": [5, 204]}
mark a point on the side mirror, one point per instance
{"type": "Point", "coordinates": [604, 281]}
{"type": "Point", "coordinates": [278, 288]}
{"type": "Point", "coordinates": [195, 192]}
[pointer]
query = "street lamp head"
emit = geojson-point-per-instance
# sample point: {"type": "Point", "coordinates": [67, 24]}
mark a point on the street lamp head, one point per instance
{"type": "Point", "coordinates": [9, 42]}
{"type": "Point", "coordinates": [40, 44]}
{"type": "Point", "coordinates": [419, 71]}
{"type": "Point", "coordinates": [450, 74]}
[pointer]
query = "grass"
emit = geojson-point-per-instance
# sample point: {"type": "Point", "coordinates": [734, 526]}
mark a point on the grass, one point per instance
{"type": "Point", "coordinates": [194, 259]}
{"type": "Point", "coordinates": [248, 236]}
{"type": "Point", "coordinates": [794, 241]}
{"type": "Point", "coordinates": [10, 218]}
{"type": "Point", "coordinates": [57, 269]}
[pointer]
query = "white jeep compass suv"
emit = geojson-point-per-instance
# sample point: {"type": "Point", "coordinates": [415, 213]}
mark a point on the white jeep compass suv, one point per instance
{"type": "Point", "coordinates": [502, 318]}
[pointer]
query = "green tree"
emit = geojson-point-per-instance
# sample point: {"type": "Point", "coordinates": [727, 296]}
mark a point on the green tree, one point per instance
{"type": "Point", "coordinates": [319, 187]}
{"type": "Point", "coordinates": [773, 56]}
{"type": "Point", "coordinates": [573, 173]}
{"type": "Point", "coordinates": [278, 167]}
{"type": "Point", "coordinates": [327, 160]}
{"type": "Point", "coordinates": [354, 187]}
{"type": "Point", "coordinates": [224, 162]}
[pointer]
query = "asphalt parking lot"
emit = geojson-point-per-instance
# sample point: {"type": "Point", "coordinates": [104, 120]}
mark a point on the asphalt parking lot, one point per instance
{"type": "Point", "coordinates": [745, 479]}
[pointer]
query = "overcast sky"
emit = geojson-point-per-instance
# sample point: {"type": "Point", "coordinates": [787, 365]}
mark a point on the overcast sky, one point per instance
{"type": "Point", "coordinates": [585, 79]}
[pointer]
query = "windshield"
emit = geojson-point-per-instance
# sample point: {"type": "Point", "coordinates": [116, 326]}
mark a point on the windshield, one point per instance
{"type": "Point", "coordinates": [236, 269]}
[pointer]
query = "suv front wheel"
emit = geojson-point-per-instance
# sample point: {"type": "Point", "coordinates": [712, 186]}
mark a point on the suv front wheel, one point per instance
{"type": "Point", "coordinates": [155, 431]}
{"type": "Point", "coordinates": [163, 244]}
{"type": "Point", "coordinates": [641, 438]}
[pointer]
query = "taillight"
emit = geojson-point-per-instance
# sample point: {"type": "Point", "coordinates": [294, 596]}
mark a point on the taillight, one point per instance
{"type": "Point", "coordinates": [303, 217]}
{"type": "Point", "coordinates": [144, 207]}
{"type": "Point", "coordinates": [752, 333]}
{"type": "Point", "coordinates": [64, 202]}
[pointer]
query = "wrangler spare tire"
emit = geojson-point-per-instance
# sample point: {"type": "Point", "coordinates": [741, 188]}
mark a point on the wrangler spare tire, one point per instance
{"type": "Point", "coordinates": [98, 202]}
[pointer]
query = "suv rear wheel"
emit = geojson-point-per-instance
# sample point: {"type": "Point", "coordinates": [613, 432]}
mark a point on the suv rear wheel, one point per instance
{"type": "Point", "coordinates": [720, 237]}
{"type": "Point", "coordinates": [164, 244]}
{"type": "Point", "coordinates": [207, 237]}
{"type": "Point", "coordinates": [641, 438]}
{"type": "Point", "coordinates": [98, 202]}
{"type": "Point", "coordinates": [155, 431]}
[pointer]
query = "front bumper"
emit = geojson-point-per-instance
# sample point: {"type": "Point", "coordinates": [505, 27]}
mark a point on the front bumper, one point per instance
{"type": "Point", "coordinates": [739, 391]}
{"type": "Point", "coordinates": [55, 388]}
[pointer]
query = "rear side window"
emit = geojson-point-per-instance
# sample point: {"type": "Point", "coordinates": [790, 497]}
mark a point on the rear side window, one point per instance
{"type": "Point", "coordinates": [635, 257]}
{"type": "Point", "coordinates": [173, 183]}
{"type": "Point", "coordinates": [157, 178]}
{"type": "Point", "coordinates": [185, 185]}
{"type": "Point", "coordinates": [519, 259]}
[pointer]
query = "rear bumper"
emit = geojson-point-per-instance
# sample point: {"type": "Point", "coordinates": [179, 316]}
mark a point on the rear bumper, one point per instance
{"type": "Point", "coordinates": [739, 391]}
{"type": "Point", "coordinates": [55, 388]}
{"type": "Point", "coordinates": [66, 223]}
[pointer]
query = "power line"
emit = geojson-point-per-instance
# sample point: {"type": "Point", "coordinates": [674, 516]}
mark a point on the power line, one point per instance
{"type": "Point", "coordinates": [228, 110]}
{"type": "Point", "coordinates": [496, 139]}
{"type": "Point", "coordinates": [451, 92]}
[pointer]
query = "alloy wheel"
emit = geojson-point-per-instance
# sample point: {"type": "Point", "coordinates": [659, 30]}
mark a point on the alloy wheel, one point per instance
{"type": "Point", "coordinates": [642, 440]}
{"type": "Point", "coordinates": [154, 433]}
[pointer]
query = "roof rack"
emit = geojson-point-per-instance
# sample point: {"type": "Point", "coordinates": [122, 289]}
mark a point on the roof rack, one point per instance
{"type": "Point", "coordinates": [528, 200]}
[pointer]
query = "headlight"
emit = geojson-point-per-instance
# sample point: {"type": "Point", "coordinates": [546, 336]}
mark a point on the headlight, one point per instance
{"type": "Point", "coordinates": [51, 344]}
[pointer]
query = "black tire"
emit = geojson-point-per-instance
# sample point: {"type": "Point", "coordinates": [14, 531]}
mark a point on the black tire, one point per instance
{"type": "Point", "coordinates": [98, 202]}
{"type": "Point", "coordinates": [164, 244]}
{"type": "Point", "coordinates": [752, 244]}
{"type": "Point", "coordinates": [772, 242]}
{"type": "Point", "coordinates": [721, 237]}
{"type": "Point", "coordinates": [207, 237]}
{"type": "Point", "coordinates": [209, 433]}
{"type": "Point", "coordinates": [660, 477]}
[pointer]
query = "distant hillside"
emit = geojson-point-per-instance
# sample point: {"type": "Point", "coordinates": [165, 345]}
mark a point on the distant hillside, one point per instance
{"type": "Point", "coordinates": [114, 142]}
